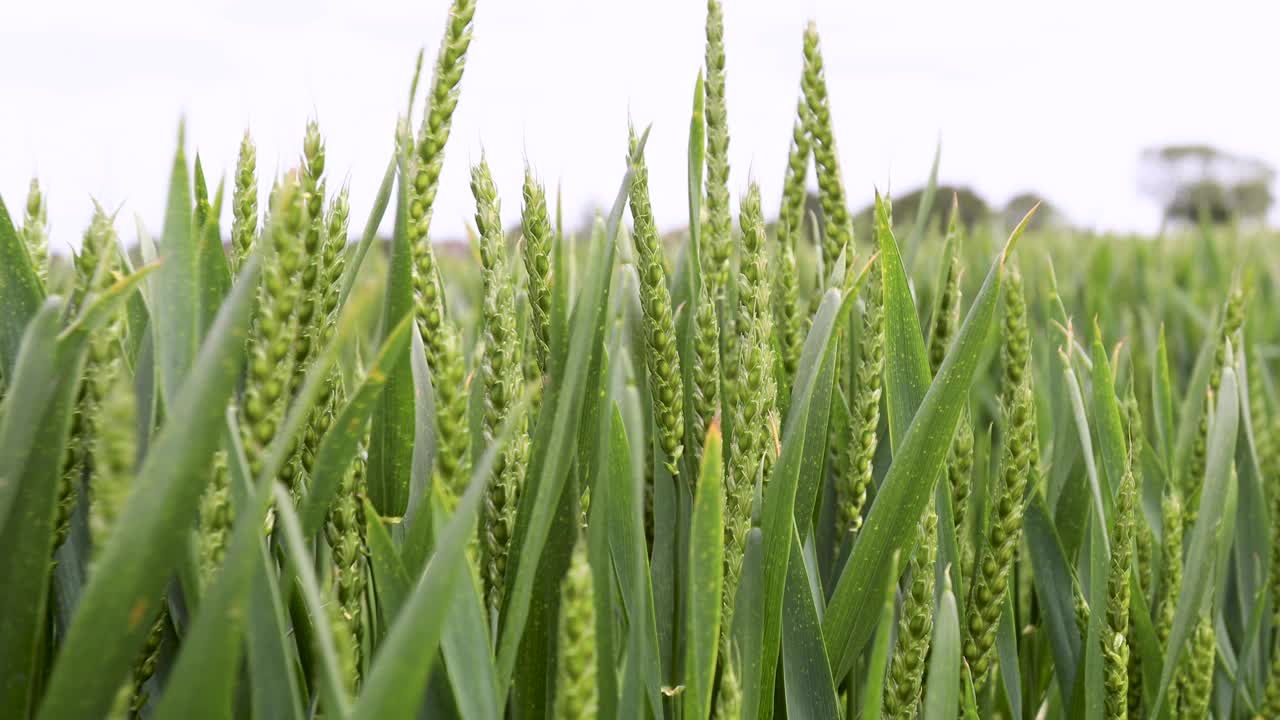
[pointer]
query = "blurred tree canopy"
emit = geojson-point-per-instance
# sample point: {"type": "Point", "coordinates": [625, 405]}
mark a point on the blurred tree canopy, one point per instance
{"type": "Point", "coordinates": [973, 208]}
{"type": "Point", "coordinates": [1195, 182]}
{"type": "Point", "coordinates": [1019, 205]}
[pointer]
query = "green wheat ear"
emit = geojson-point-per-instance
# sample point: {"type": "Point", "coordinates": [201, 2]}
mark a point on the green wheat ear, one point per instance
{"type": "Point", "coordinates": [117, 446]}
{"type": "Point", "coordinates": [148, 660]}
{"type": "Point", "coordinates": [330, 266]}
{"type": "Point", "coordinates": [1272, 468]}
{"type": "Point", "coordinates": [717, 253]}
{"type": "Point", "coordinates": [310, 291]}
{"type": "Point", "coordinates": [345, 533]}
{"type": "Point", "coordinates": [942, 328]}
{"type": "Point", "coordinates": [856, 478]}
{"type": "Point", "coordinates": [501, 373]}
{"type": "Point", "coordinates": [1197, 671]}
{"type": "Point", "coordinates": [946, 320]}
{"type": "Point", "coordinates": [244, 203]}
{"type": "Point", "coordinates": [1172, 519]}
{"type": "Point", "coordinates": [837, 229]}
{"type": "Point", "coordinates": [915, 627]}
{"type": "Point", "coordinates": [662, 362]}
{"type": "Point", "coordinates": [342, 644]}
{"type": "Point", "coordinates": [1271, 697]}
{"type": "Point", "coordinates": [706, 368]}
{"type": "Point", "coordinates": [215, 520]}
{"type": "Point", "coordinates": [35, 231]}
{"type": "Point", "coordinates": [1018, 465]}
{"type": "Point", "coordinates": [1116, 650]}
{"type": "Point", "coordinates": [1015, 352]}
{"type": "Point", "coordinates": [788, 320]}
{"type": "Point", "coordinates": [440, 336]}
{"type": "Point", "coordinates": [96, 268]}
{"type": "Point", "coordinates": [754, 403]}
{"type": "Point", "coordinates": [576, 693]}
{"type": "Point", "coordinates": [537, 264]}
{"type": "Point", "coordinates": [271, 351]}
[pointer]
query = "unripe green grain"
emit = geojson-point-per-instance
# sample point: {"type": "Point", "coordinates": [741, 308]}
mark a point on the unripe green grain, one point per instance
{"type": "Point", "coordinates": [576, 695]}
{"type": "Point", "coordinates": [501, 373]}
{"type": "Point", "coordinates": [706, 369]}
{"type": "Point", "coordinates": [1115, 656]}
{"type": "Point", "coordinates": [1197, 671]}
{"type": "Point", "coordinates": [1115, 647]}
{"type": "Point", "coordinates": [348, 665]}
{"type": "Point", "coordinates": [788, 321]}
{"type": "Point", "coordinates": [1171, 566]}
{"type": "Point", "coordinates": [946, 319]}
{"type": "Point", "coordinates": [215, 520]}
{"type": "Point", "coordinates": [837, 230]}
{"type": "Point", "coordinates": [915, 627]}
{"type": "Point", "coordinates": [345, 533]}
{"type": "Point", "coordinates": [753, 444]}
{"type": "Point", "coordinates": [333, 260]}
{"type": "Point", "coordinates": [942, 328]}
{"type": "Point", "coordinates": [96, 268]}
{"type": "Point", "coordinates": [851, 494]}
{"type": "Point", "coordinates": [1270, 469]}
{"type": "Point", "coordinates": [1271, 697]}
{"type": "Point", "coordinates": [35, 231]}
{"type": "Point", "coordinates": [1143, 561]}
{"type": "Point", "coordinates": [716, 236]}
{"type": "Point", "coordinates": [1004, 530]}
{"type": "Point", "coordinates": [271, 350]}
{"type": "Point", "coordinates": [666, 384]}
{"type": "Point", "coordinates": [960, 470]}
{"type": "Point", "coordinates": [332, 263]}
{"type": "Point", "coordinates": [440, 336]}
{"type": "Point", "coordinates": [310, 291]}
{"type": "Point", "coordinates": [244, 204]}
{"type": "Point", "coordinates": [537, 265]}
{"type": "Point", "coordinates": [1015, 351]}
{"type": "Point", "coordinates": [145, 668]}
{"type": "Point", "coordinates": [116, 448]}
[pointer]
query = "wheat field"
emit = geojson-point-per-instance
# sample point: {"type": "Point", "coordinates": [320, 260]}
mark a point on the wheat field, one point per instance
{"type": "Point", "coordinates": [785, 462]}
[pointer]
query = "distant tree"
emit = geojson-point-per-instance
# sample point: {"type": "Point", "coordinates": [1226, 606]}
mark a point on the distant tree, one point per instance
{"type": "Point", "coordinates": [1019, 205]}
{"type": "Point", "coordinates": [1195, 182]}
{"type": "Point", "coordinates": [973, 208]}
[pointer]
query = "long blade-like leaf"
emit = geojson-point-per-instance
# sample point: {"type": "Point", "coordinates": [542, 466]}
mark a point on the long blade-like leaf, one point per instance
{"type": "Point", "coordinates": [177, 286]}
{"type": "Point", "coordinates": [942, 696]}
{"type": "Point", "coordinates": [339, 446]}
{"type": "Point", "coordinates": [706, 577]}
{"type": "Point", "coordinates": [118, 602]}
{"type": "Point", "coordinates": [906, 361]}
{"type": "Point", "coordinates": [910, 481]}
{"type": "Point", "coordinates": [391, 435]}
{"type": "Point", "coordinates": [1205, 536]}
{"type": "Point", "coordinates": [33, 438]}
{"type": "Point", "coordinates": [333, 693]}
{"type": "Point", "coordinates": [199, 686]}
{"type": "Point", "coordinates": [553, 448]}
{"type": "Point", "coordinates": [20, 293]}
{"type": "Point", "coordinates": [397, 681]}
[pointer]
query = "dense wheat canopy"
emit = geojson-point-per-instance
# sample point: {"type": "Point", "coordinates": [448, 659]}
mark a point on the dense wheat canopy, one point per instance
{"type": "Point", "coordinates": [795, 460]}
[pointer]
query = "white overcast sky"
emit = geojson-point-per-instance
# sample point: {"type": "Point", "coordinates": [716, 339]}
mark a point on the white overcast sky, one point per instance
{"type": "Point", "coordinates": [1054, 97]}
